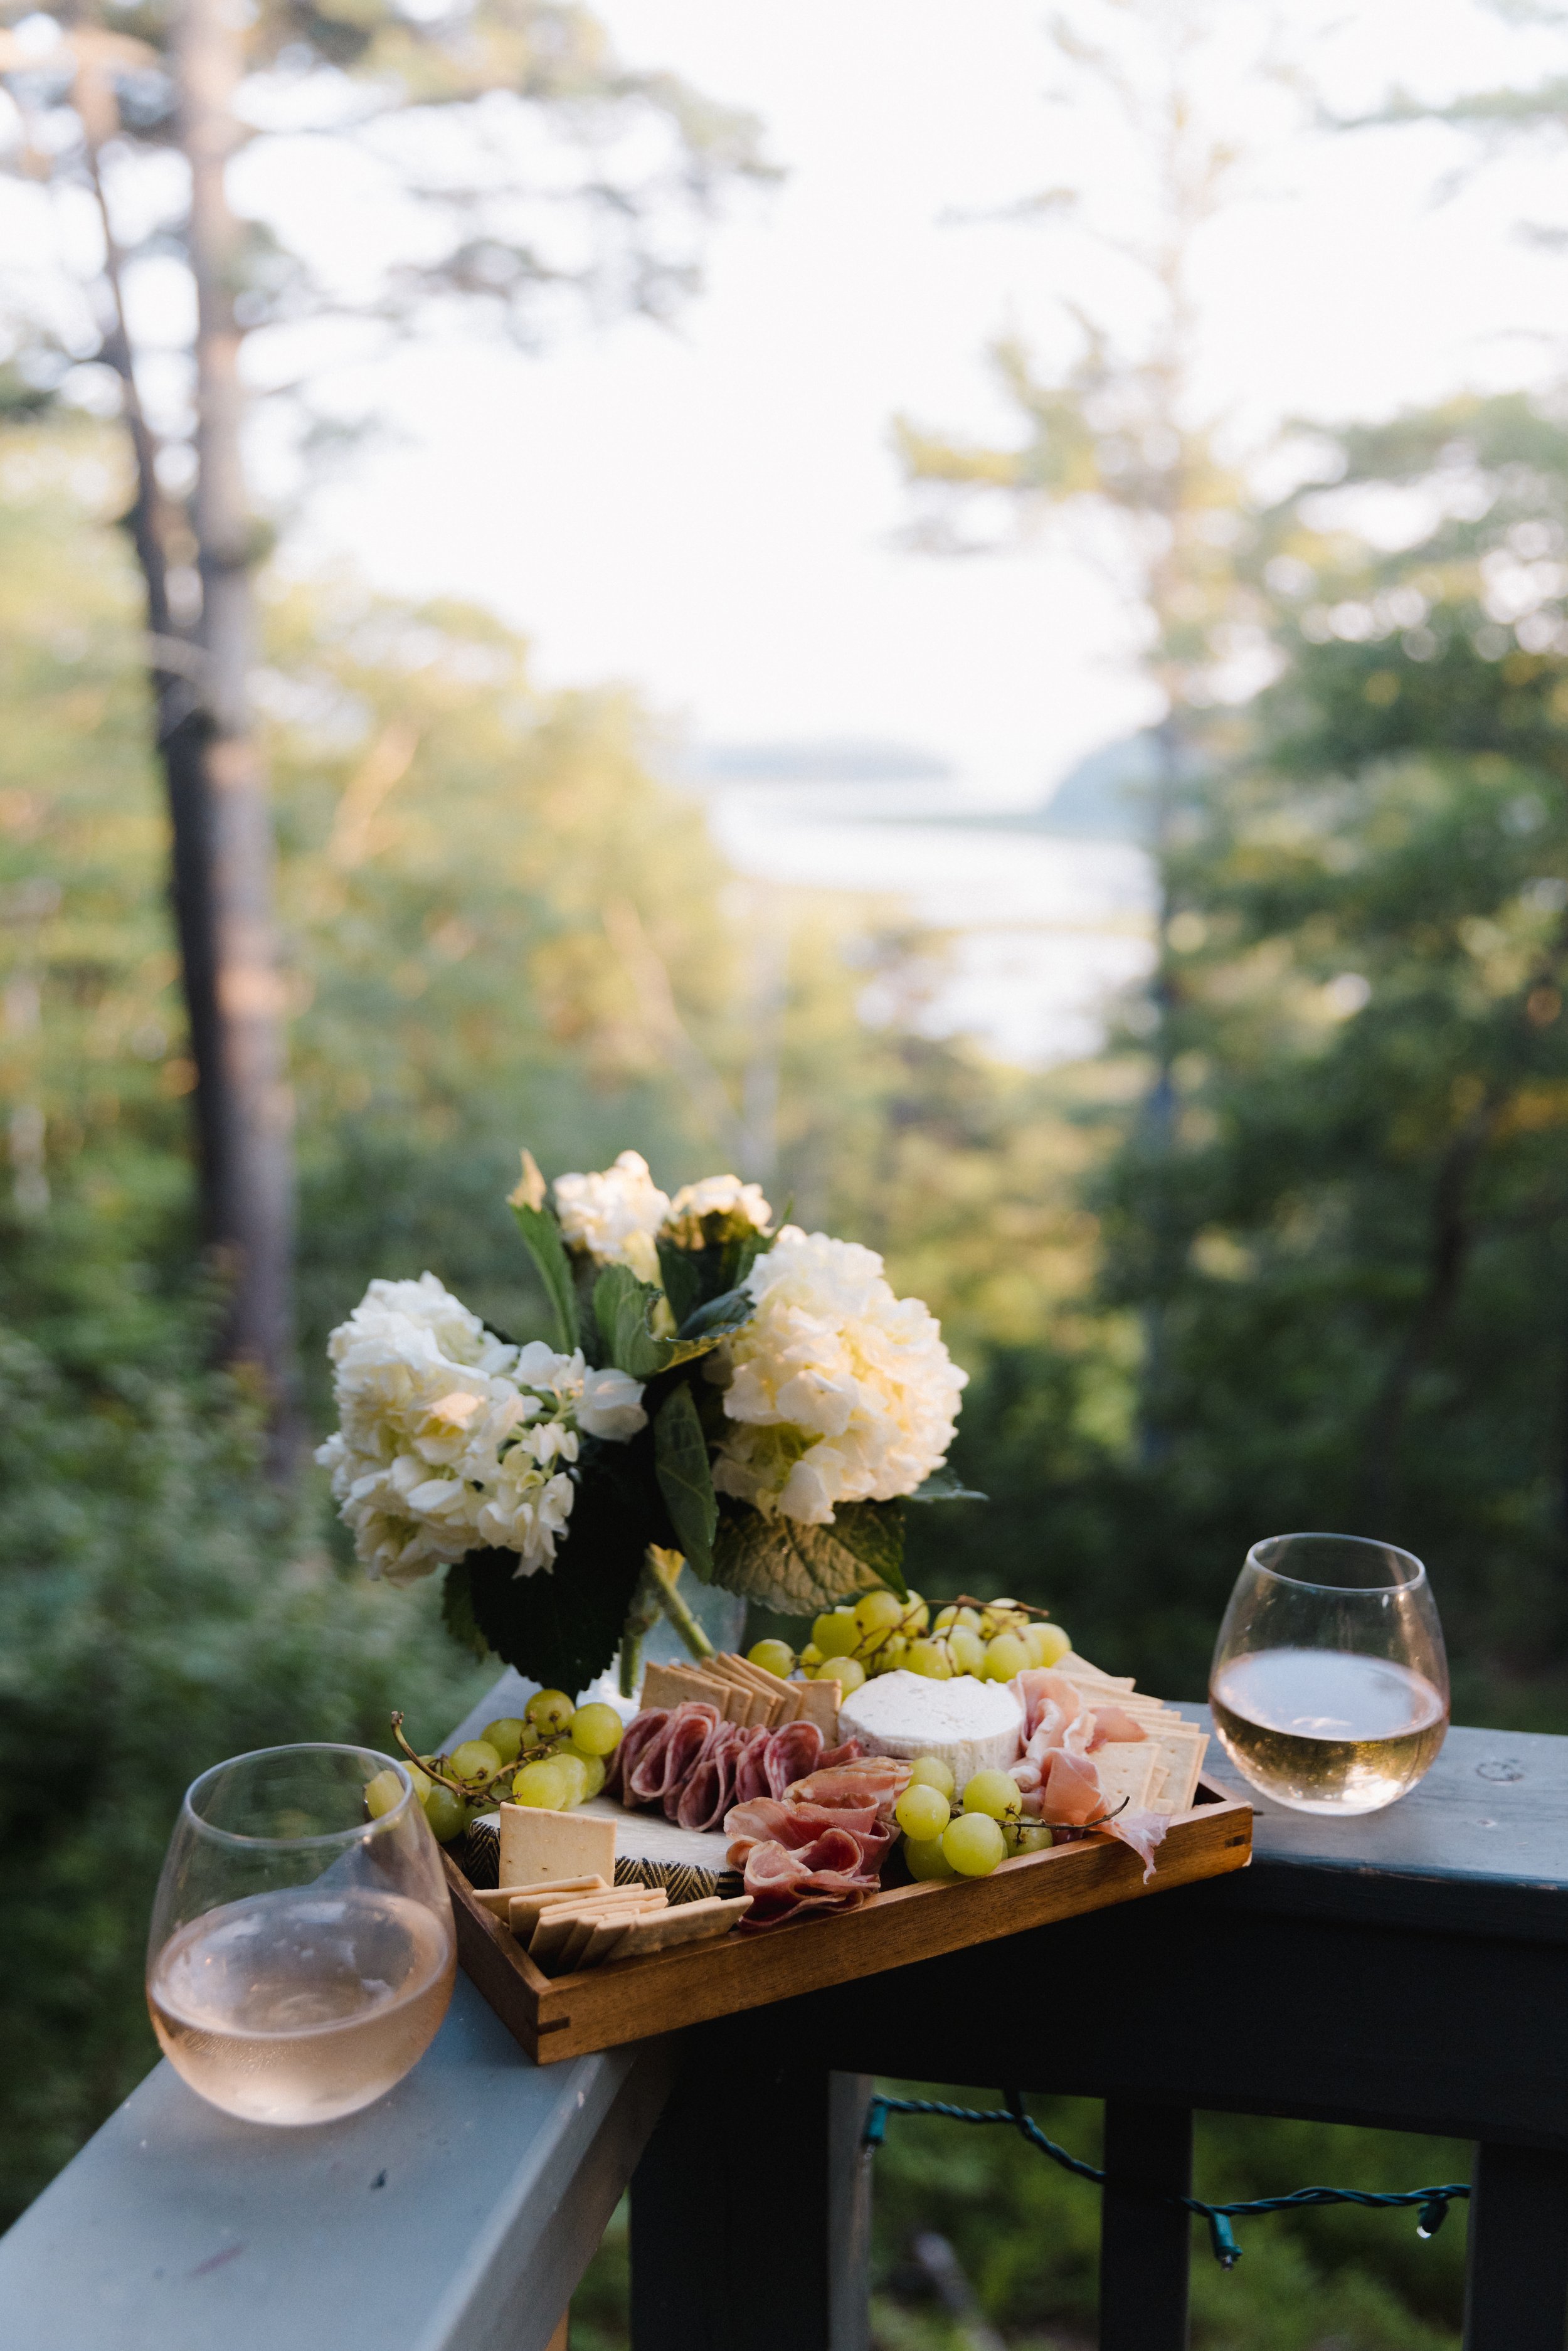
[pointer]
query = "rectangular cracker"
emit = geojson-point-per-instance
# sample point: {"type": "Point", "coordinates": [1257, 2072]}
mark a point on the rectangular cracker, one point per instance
{"type": "Point", "coordinates": [678, 1685]}
{"type": "Point", "coordinates": [1079, 1669]}
{"type": "Point", "coordinates": [1181, 1747]}
{"type": "Point", "coordinates": [537, 1846]}
{"type": "Point", "coordinates": [498, 1899]}
{"type": "Point", "coordinates": [687, 1922]}
{"type": "Point", "coordinates": [555, 1930]}
{"type": "Point", "coordinates": [526, 1910]}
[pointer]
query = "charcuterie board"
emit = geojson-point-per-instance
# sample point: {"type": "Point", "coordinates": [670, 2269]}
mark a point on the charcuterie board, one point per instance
{"type": "Point", "coordinates": [630, 1999]}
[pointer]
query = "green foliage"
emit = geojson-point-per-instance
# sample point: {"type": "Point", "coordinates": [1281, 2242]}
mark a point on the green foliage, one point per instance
{"type": "Point", "coordinates": [685, 1481]}
{"type": "Point", "coordinates": [781, 1563]}
{"type": "Point", "coordinates": [541, 1235]}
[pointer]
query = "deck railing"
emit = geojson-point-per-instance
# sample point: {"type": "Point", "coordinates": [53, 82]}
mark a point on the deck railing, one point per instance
{"type": "Point", "coordinates": [1409, 1972]}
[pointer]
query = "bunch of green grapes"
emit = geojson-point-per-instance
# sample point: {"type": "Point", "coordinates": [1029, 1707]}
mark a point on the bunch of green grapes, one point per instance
{"type": "Point", "coordinates": [988, 1826]}
{"type": "Point", "coordinates": [553, 1754]}
{"type": "Point", "coordinates": [879, 1632]}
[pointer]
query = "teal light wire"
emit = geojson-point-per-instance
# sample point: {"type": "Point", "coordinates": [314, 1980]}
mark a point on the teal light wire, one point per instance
{"type": "Point", "coordinates": [1433, 2203]}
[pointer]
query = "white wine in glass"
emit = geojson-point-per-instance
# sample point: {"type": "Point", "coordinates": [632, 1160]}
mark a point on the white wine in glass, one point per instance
{"type": "Point", "coordinates": [322, 1977]}
{"type": "Point", "coordinates": [1329, 1686]}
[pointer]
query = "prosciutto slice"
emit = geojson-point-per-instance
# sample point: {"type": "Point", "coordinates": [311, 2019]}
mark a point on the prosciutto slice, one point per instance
{"type": "Point", "coordinates": [878, 1781]}
{"type": "Point", "coordinates": [826, 1874]}
{"type": "Point", "coordinates": [769, 1821]}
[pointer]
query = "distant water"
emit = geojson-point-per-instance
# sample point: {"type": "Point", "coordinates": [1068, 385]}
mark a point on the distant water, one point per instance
{"type": "Point", "coordinates": [1043, 932]}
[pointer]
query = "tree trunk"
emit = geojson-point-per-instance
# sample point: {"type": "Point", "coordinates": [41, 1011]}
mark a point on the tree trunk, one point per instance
{"type": "Point", "coordinates": [223, 830]}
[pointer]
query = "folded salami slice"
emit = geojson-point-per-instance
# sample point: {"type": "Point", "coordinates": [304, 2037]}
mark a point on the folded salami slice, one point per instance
{"type": "Point", "coordinates": [642, 1729]}
{"type": "Point", "coordinates": [792, 1750]}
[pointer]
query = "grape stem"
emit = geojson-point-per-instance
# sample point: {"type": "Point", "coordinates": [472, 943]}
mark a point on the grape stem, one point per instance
{"type": "Point", "coordinates": [471, 1789]}
{"type": "Point", "coordinates": [968, 1600]}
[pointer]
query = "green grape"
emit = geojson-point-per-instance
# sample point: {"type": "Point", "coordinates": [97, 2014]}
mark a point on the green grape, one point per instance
{"type": "Point", "coordinates": [923, 1858]}
{"type": "Point", "coordinates": [967, 1648]}
{"type": "Point", "coordinates": [1027, 1836]}
{"type": "Point", "coordinates": [531, 1738]}
{"type": "Point", "coordinates": [930, 1658]}
{"type": "Point", "coordinates": [811, 1656]}
{"type": "Point", "coordinates": [383, 1794]}
{"type": "Point", "coordinates": [575, 1769]}
{"type": "Point", "coordinates": [997, 1793]}
{"type": "Point", "coordinates": [947, 1617]}
{"type": "Point", "coordinates": [596, 1729]}
{"type": "Point", "coordinates": [594, 1767]}
{"type": "Point", "coordinates": [475, 1760]}
{"type": "Point", "coordinates": [447, 1812]}
{"type": "Point", "coordinates": [1001, 1616]}
{"type": "Point", "coordinates": [930, 1771]}
{"type": "Point", "coordinates": [773, 1657]}
{"type": "Point", "coordinates": [1047, 1644]}
{"type": "Point", "coordinates": [505, 1735]}
{"type": "Point", "coordinates": [1004, 1656]}
{"type": "Point", "coordinates": [974, 1843]}
{"type": "Point", "coordinates": [835, 1632]}
{"type": "Point", "coordinates": [916, 1614]}
{"type": "Point", "coordinates": [546, 1784]}
{"type": "Point", "coordinates": [551, 1710]}
{"type": "Point", "coordinates": [847, 1672]}
{"type": "Point", "coordinates": [922, 1812]}
{"type": "Point", "coordinates": [878, 1612]}
{"type": "Point", "coordinates": [891, 1654]}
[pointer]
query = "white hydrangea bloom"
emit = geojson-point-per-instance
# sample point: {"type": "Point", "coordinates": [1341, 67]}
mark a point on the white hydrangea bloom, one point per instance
{"type": "Point", "coordinates": [722, 1195]}
{"type": "Point", "coordinates": [448, 1438]}
{"type": "Point", "coordinates": [841, 1392]}
{"type": "Point", "coordinates": [614, 1215]}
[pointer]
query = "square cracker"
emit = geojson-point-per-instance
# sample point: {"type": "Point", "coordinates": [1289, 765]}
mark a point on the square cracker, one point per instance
{"type": "Point", "coordinates": [537, 1846]}
{"type": "Point", "coordinates": [1127, 1770]}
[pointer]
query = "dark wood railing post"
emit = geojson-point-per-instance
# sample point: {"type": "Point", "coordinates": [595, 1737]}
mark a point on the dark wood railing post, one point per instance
{"type": "Point", "coordinates": [1145, 2242]}
{"type": "Point", "coordinates": [755, 2151]}
{"type": "Point", "coordinates": [1516, 2268]}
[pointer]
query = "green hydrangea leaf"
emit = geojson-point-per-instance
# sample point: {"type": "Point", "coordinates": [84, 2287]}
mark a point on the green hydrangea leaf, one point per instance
{"type": "Point", "coordinates": [623, 1310]}
{"type": "Point", "coordinates": [685, 1481]}
{"type": "Point", "coordinates": [541, 1235]}
{"type": "Point", "coordinates": [799, 1570]}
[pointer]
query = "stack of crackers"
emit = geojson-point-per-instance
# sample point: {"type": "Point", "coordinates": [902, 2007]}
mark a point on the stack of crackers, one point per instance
{"type": "Point", "coordinates": [558, 1896]}
{"type": "Point", "coordinates": [568, 1923]}
{"type": "Point", "coordinates": [1156, 1773]}
{"type": "Point", "coordinates": [746, 1693]}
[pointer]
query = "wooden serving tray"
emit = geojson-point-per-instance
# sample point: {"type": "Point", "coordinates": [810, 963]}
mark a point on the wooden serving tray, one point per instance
{"type": "Point", "coordinates": [598, 2008]}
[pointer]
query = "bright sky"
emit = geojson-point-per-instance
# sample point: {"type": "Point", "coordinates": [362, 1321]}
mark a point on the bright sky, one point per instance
{"type": "Point", "coordinates": [712, 513]}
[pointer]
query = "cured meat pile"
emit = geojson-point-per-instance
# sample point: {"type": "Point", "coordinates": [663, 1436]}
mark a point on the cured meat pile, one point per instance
{"type": "Point", "coordinates": [822, 1845]}
{"type": "Point", "coordinates": [695, 1767]}
{"type": "Point", "coordinates": [1063, 1730]}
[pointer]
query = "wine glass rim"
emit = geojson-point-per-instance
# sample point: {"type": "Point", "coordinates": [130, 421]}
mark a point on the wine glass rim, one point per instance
{"type": "Point", "coordinates": [321, 1837]}
{"type": "Point", "coordinates": [1362, 1543]}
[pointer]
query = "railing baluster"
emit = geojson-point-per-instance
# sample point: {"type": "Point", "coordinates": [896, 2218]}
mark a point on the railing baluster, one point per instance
{"type": "Point", "coordinates": [1145, 2243]}
{"type": "Point", "coordinates": [1516, 2268]}
{"type": "Point", "coordinates": [750, 2207]}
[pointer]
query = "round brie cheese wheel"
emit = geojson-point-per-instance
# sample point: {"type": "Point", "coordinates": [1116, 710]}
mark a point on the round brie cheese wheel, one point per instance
{"type": "Point", "coordinates": [973, 1726]}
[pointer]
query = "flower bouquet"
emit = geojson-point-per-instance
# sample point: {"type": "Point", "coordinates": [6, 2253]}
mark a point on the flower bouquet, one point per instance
{"type": "Point", "coordinates": [754, 1402]}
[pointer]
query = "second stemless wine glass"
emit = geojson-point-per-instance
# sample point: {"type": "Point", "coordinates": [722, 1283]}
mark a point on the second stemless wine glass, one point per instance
{"type": "Point", "coordinates": [1329, 1684]}
{"type": "Point", "coordinates": [301, 1954]}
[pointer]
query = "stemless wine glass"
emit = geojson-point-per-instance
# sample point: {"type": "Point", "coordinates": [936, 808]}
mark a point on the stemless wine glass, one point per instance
{"type": "Point", "coordinates": [1329, 1686]}
{"type": "Point", "coordinates": [301, 1955]}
